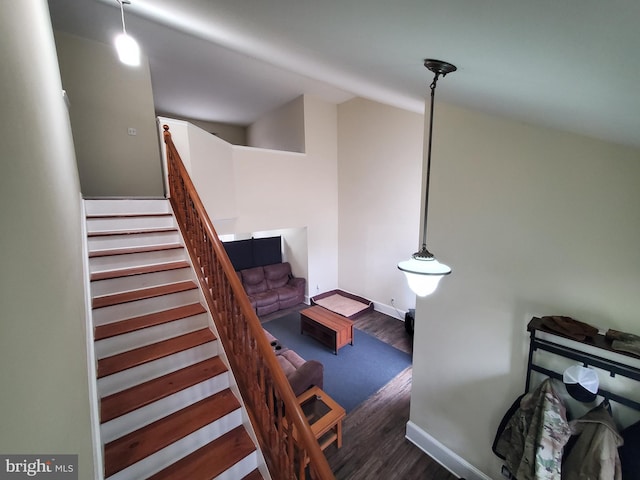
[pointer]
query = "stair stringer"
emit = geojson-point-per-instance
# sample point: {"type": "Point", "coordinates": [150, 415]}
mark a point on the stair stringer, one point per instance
{"type": "Point", "coordinates": [92, 362]}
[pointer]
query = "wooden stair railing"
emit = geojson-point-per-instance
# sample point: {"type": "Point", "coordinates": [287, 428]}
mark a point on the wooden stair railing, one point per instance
{"type": "Point", "coordinates": [283, 431]}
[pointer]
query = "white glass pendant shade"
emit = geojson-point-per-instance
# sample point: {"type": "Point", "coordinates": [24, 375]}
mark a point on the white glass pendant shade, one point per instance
{"type": "Point", "coordinates": [423, 275]}
{"type": "Point", "coordinates": [128, 50]}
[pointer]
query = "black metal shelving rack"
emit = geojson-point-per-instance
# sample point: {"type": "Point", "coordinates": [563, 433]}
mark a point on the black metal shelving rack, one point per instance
{"type": "Point", "coordinates": [587, 359]}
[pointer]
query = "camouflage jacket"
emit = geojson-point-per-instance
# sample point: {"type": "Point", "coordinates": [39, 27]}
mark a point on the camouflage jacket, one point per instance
{"type": "Point", "coordinates": [533, 439]}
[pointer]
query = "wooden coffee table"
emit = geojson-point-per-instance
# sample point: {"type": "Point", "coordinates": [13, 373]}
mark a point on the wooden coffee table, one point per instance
{"type": "Point", "coordinates": [329, 328]}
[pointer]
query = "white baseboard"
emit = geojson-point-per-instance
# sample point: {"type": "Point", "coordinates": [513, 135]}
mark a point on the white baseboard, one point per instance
{"type": "Point", "coordinates": [389, 310]}
{"type": "Point", "coordinates": [443, 455]}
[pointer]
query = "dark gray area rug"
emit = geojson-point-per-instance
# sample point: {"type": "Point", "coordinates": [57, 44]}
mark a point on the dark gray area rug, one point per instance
{"type": "Point", "coordinates": [356, 373]}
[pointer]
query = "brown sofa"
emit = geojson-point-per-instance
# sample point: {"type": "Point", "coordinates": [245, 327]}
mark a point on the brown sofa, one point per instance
{"type": "Point", "coordinates": [302, 374]}
{"type": "Point", "coordinates": [272, 287]}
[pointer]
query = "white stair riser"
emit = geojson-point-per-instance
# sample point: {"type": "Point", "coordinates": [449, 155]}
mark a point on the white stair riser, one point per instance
{"type": "Point", "coordinates": [108, 242]}
{"type": "Point", "coordinates": [123, 206]}
{"type": "Point", "coordinates": [116, 224]}
{"type": "Point", "coordinates": [133, 376]}
{"type": "Point", "coordinates": [167, 456]}
{"type": "Point", "coordinates": [241, 469]}
{"type": "Point", "coordinates": [128, 260]}
{"type": "Point", "coordinates": [147, 336]}
{"type": "Point", "coordinates": [122, 311]}
{"type": "Point", "coordinates": [118, 427]}
{"type": "Point", "coordinates": [137, 282]}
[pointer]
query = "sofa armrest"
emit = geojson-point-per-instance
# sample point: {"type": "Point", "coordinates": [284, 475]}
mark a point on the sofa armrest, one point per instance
{"type": "Point", "coordinates": [298, 283]}
{"type": "Point", "coordinates": [309, 374]}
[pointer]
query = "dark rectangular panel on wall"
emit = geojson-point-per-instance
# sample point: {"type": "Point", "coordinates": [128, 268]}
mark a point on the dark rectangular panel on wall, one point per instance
{"type": "Point", "coordinates": [254, 252]}
{"type": "Point", "coordinates": [267, 251]}
{"type": "Point", "coordinates": [240, 253]}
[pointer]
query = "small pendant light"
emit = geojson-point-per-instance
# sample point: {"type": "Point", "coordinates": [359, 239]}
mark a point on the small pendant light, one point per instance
{"type": "Point", "coordinates": [126, 46]}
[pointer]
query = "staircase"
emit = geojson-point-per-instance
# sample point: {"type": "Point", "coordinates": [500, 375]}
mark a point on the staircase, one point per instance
{"type": "Point", "coordinates": [166, 407]}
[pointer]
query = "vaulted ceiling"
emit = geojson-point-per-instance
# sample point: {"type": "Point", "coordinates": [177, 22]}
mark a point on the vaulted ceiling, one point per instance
{"type": "Point", "coordinates": [559, 63]}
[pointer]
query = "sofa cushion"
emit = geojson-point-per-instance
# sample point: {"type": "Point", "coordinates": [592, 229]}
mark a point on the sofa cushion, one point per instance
{"type": "Point", "coordinates": [264, 298]}
{"type": "Point", "coordinates": [253, 280]}
{"type": "Point", "coordinates": [267, 309]}
{"type": "Point", "coordinates": [277, 275]}
{"type": "Point", "coordinates": [287, 293]}
{"type": "Point", "coordinates": [289, 303]}
{"type": "Point", "coordinates": [290, 361]}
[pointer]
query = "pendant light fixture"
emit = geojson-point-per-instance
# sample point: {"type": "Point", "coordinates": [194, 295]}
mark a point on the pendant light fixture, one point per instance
{"type": "Point", "coordinates": [423, 271]}
{"type": "Point", "coordinates": [126, 46]}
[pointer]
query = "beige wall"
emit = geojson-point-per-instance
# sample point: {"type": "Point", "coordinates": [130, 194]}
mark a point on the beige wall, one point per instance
{"type": "Point", "coordinates": [107, 98]}
{"type": "Point", "coordinates": [45, 394]}
{"type": "Point", "coordinates": [379, 179]}
{"type": "Point", "coordinates": [209, 161]}
{"type": "Point", "coordinates": [271, 191]}
{"type": "Point", "coordinates": [533, 222]}
{"type": "Point", "coordinates": [319, 186]}
{"type": "Point", "coordinates": [282, 129]}
{"type": "Point", "coordinates": [281, 190]}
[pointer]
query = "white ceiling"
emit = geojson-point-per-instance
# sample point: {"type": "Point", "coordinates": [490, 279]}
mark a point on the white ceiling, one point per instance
{"type": "Point", "coordinates": [567, 64]}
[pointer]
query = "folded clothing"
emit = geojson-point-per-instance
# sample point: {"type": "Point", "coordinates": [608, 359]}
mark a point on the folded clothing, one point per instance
{"type": "Point", "coordinates": [625, 342]}
{"type": "Point", "coordinates": [569, 327]}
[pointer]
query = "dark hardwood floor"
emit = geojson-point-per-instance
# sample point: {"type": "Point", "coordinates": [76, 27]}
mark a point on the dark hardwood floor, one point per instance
{"type": "Point", "coordinates": [373, 443]}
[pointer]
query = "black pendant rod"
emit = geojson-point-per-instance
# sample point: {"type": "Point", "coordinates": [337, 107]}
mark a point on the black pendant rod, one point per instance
{"type": "Point", "coordinates": [438, 68]}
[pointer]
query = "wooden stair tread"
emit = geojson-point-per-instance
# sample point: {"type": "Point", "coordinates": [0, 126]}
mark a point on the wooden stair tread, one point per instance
{"type": "Point", "coordinates": [137, 231]}
{"type": "Point", "coordinates": [212, 459]}
{"type": "Point", "coordinates": [255, 475]}
{"type": "Point", "coordinates": [148, 353]}
{"type": "Point", "coordinates": [129, 250]}
{"type": "Point", "coordinates": [133, 447]}
{"type": "Point", "coordinates": [152, 319]}
{"type": "Point", "coordinates": [143, 293]}
{"type": "Point", "coordinates": [129, 272]}
{"type": "Point", "coordinates": [126, 401]}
